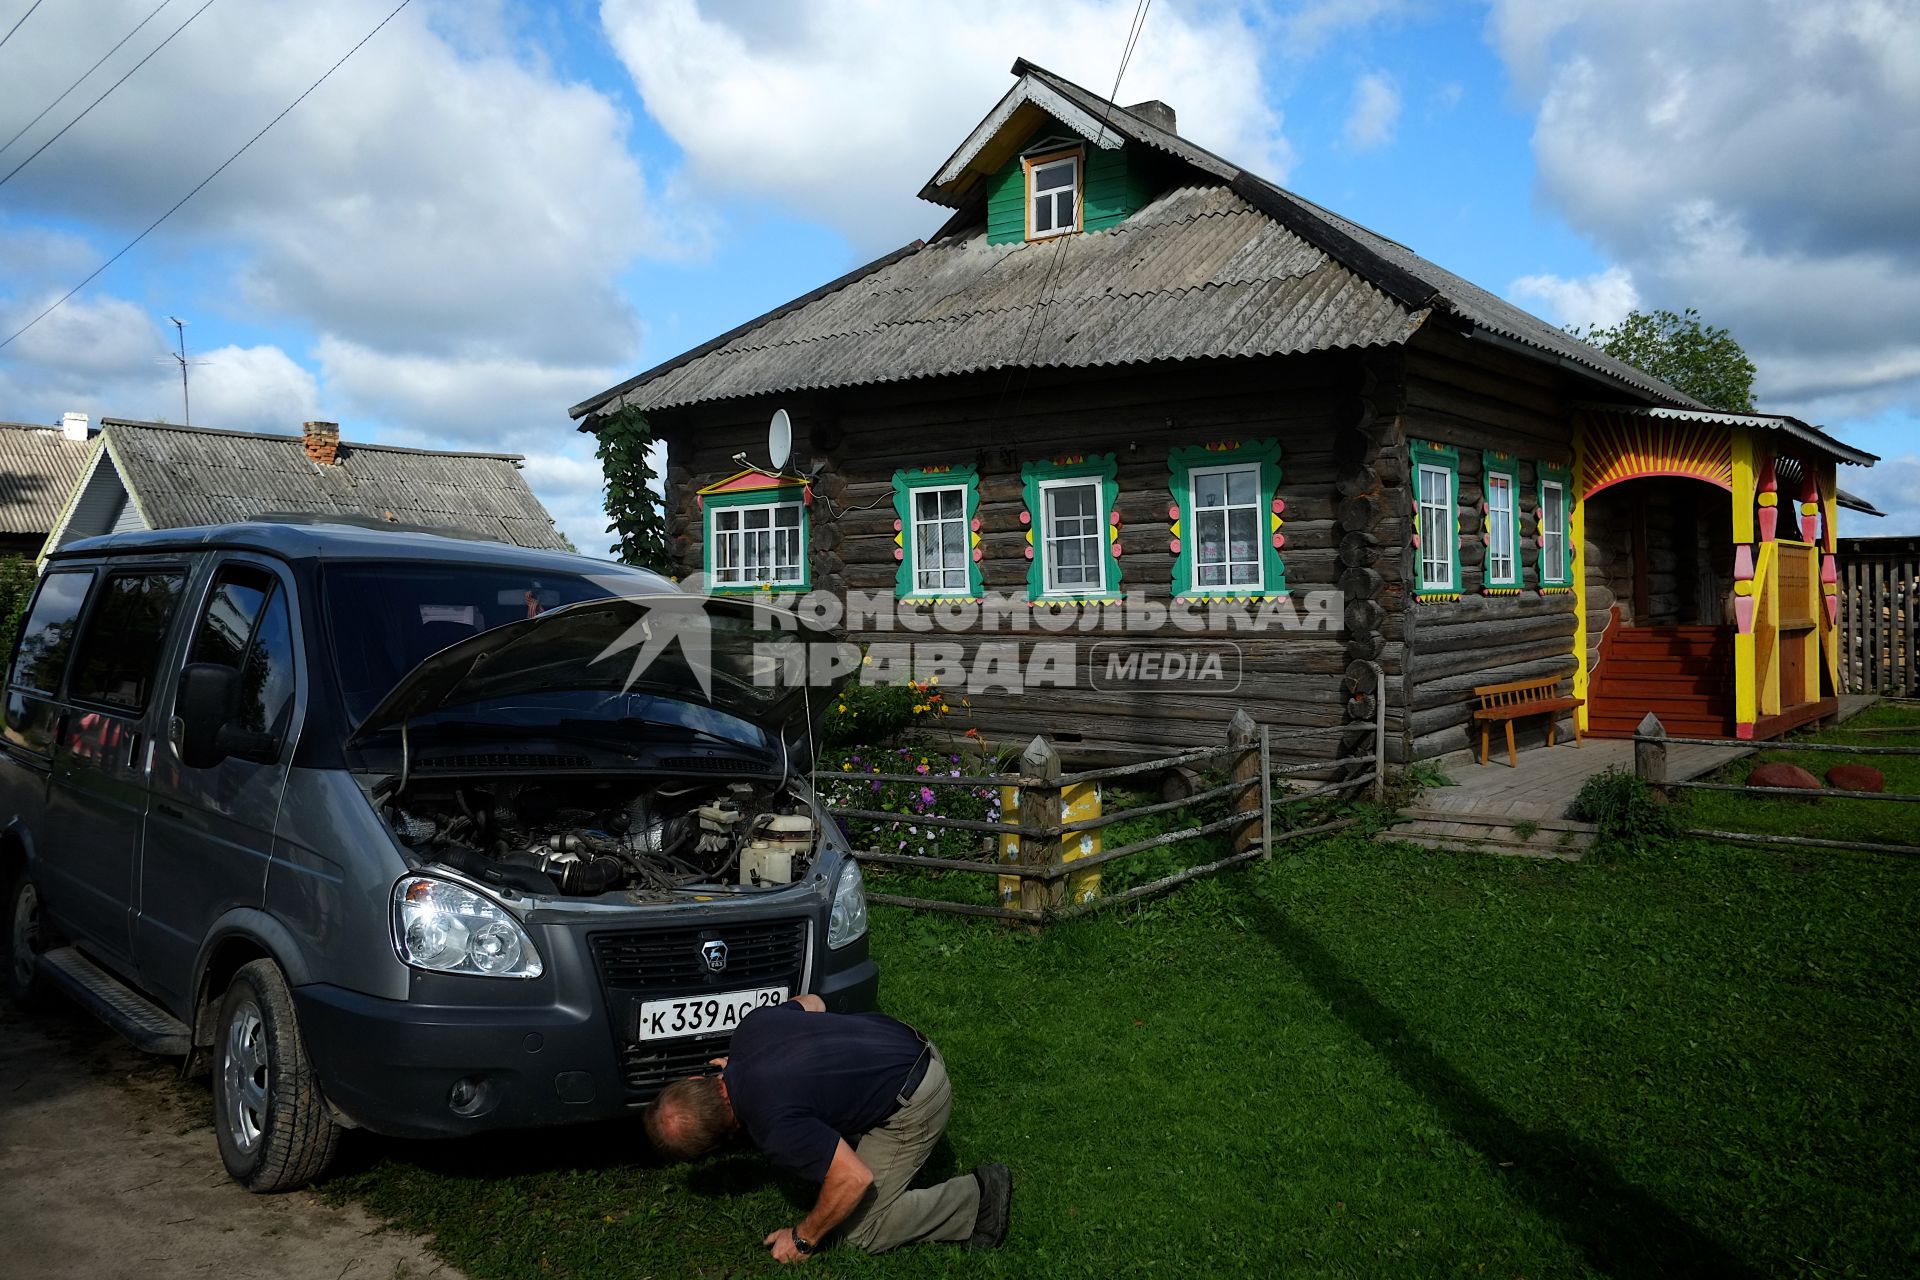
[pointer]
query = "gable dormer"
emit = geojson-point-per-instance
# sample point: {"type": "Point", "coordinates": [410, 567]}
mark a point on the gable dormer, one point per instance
{"type": "Point", "coordinates": [1049, 160]}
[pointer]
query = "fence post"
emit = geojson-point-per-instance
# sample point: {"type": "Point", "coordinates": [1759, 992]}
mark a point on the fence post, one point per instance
{"type": "Point", "coordinates": [1650, 754]}
{"type": "Point", "coordinates": [1040, 808]}
{"type": "Point", "coordinates": [1242, 738]}
{"type": "Point", "coordinates": [1380, 737]}
{"type": "Point", "coordinates": [1266, 797]}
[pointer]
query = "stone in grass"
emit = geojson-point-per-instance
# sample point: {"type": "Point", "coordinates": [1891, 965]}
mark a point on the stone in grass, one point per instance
{"type": "Point", "coordinates": [1856, 777]}
{"type": "Point", "coordinates": [1782, 775]}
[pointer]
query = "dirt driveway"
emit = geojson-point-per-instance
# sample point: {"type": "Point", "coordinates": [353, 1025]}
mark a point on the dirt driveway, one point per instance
{"type": "Point", "coordinates": [108, 1169]}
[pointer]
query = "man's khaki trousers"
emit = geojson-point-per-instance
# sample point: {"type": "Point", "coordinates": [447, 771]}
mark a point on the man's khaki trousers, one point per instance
{"type": "Point", "coordinates": [891, 1215]}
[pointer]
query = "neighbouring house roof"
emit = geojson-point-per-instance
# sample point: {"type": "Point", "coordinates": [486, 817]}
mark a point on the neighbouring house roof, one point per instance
{"type": "Point", "coordinates": [1224, 264]}
{"type": "Point", "coordinates": [38, 468]}
{"type": "Point", "coordinates": [178, 476]}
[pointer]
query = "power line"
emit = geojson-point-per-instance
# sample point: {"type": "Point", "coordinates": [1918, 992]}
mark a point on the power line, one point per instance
{"type": "Point", "coordinates": [16, 26]}
{"type": "Point", "coordinates": [83, 77]}
{"type": "Point", "coordinates": [103, 97]}
{"type": "Point", "coordinates": [209, 178]}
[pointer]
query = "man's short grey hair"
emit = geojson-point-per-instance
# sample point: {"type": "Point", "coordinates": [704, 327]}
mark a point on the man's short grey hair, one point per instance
{"type": "Point", "coordinates": [689, 1118]}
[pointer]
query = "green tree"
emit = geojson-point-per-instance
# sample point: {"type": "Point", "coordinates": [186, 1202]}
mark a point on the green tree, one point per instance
{"type": "Point", "coordinates": [635, 510]}
{"type": "Point", "coordinates": [18, 576]}
{"type": "Point", "coordinates": [1682, 351]}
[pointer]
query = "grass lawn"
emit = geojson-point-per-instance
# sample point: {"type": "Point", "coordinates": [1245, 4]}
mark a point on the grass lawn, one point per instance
{"type": "Point", "coordinates": [1357, 1060]}
{"type": "Point", "coordinates": [1878, 821]}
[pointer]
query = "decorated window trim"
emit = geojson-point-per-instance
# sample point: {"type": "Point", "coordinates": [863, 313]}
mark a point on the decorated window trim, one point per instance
{"type": "Point", "coordinates": [1035, 479]}
{"type": "Point", "coordinates": [905, 485]}
{"type": "Point", "coordinates": [746, 490]}
{"type": "Point", "coordinates": [1505, 465]}
{"type": "Point", "coordinates": [1555, 578]}
{"type": "Point", "coordinates": [1182, 465]}
{"type": "Point", "coordinates": [1444, 458]}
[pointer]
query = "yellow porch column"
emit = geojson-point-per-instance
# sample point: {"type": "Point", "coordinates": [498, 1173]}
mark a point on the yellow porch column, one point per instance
{"type": "Point", "coordinates": [1746, 701]}
{"type": "Point", "coordinates": [1577, 567]}
{"type": "Point", "coordinates": [1829, 578]}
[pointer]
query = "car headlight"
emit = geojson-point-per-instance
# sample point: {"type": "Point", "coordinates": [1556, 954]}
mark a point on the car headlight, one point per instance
{"type": "Point", "coordinates": [450, 929]}
{"type": "Point", "coordinates": [849, 918]}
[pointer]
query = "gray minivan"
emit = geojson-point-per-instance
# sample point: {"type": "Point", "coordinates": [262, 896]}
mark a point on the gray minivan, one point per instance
{"type": "Point", "coordinates": [412, 833]}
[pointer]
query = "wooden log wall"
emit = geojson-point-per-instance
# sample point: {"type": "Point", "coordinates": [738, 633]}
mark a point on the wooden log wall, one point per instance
{"type": "Point", "coordinates": [1879, 616]}
{"type": "Point", "coordinates": [1346, 513]}
{"type": "Point", "coordinates": [1476, 397]}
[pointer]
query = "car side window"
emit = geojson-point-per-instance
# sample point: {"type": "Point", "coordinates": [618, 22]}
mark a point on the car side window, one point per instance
{"type": "Point", "coordinates": [247, 625]}
{"type": "Point", "coordinates": [119, 652]}
{"type": "Point", "coordinates": [46, 641]}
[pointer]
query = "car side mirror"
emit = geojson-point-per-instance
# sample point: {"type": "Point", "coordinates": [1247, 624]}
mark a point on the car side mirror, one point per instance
{"type": "Point", "coordinates": [202, 711]}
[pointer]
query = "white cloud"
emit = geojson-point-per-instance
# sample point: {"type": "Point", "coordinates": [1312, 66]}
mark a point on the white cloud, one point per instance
{"type": "Point", "coordinates": [840, 110]}
{"type": "Point", "coordinates": [1374, 113]}
{"type": "Point", "coordinates": [251, 389]}
{"type": "Point", "coordinates": [1758, 160]}
{"type": "Point", "coordinates": [1307, 27]}
{"type": "Point", "coordinates": [1603, 298]}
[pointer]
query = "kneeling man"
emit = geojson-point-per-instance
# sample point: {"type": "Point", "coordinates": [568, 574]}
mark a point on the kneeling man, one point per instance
{"type": "Point", "coordinates": [853, 1101]}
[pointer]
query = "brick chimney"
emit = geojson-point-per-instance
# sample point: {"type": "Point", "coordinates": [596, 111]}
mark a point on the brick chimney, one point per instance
{"type": "Point", "coordinates": [1156, 112]}
{"type": "Point", "coordinates": [323, 441]}
{"type": "Point", "coordinates": [73, 426]}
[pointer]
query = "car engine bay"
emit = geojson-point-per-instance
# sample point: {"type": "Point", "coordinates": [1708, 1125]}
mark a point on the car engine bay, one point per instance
{"type": "Point", "coordinates": [584, 837]}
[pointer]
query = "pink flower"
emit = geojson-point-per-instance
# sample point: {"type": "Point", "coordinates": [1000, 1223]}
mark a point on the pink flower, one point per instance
{"type": "Point", "coordinates": [926, 795]}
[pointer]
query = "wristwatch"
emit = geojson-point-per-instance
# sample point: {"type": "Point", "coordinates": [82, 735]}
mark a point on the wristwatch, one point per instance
{"type": "Point", "coordinates": [801, 1243]}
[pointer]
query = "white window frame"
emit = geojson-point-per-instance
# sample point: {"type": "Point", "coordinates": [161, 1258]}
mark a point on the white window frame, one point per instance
{"type": "Point", "coordinates": [1501, 524]}
{"type": "Point", "coordinates": [1046, 539]}
{"type": "Point", "coordinates": [1259, 508]}
{"type": "Point", "coordinates": [1033, 193]}
{"type": "Point", "coordinates": [1555, 571]}
{"type": "Point", "coordinates": [914, 525]}
{"type": "Point", "coordinates": [739, 534]}
{"type": "Point", "coordinates": [1437, 528]}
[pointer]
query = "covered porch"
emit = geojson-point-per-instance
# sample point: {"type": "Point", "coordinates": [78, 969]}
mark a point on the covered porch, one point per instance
{"type": "Point", "coordinates": [1706, 590]}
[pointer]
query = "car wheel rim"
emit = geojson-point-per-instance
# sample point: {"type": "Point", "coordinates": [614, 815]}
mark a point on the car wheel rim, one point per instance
{"type": "Point", "coordinates": [26, 934]}
{"type": "Point", "coordinates": [244, 1072]}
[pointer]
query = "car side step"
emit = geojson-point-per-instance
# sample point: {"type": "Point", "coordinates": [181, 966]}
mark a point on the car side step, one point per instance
{"type": "Point", "coordinates": [131, 1014]}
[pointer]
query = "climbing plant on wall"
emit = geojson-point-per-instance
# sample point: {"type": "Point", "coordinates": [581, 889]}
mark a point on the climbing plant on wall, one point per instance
{"type": "Point", "coordinates": [636, 512]}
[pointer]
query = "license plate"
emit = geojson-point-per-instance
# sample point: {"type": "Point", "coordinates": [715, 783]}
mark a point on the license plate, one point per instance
{"type": "Point", "coordinates": [702, 1015]}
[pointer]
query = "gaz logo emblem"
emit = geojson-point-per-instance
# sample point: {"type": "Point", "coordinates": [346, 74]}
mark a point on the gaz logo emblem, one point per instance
{"type": "Point", "coordinates": [715, 955]}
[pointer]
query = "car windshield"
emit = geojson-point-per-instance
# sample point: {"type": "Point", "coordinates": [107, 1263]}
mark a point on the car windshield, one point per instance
{"type": "Point", "coordinates": [383, 619]}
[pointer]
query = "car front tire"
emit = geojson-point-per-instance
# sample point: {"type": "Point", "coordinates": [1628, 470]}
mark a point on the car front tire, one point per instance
{"type": "Point", "coordinates": [273, 1126]}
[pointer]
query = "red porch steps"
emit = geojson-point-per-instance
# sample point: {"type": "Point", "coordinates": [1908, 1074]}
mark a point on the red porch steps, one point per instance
{"type": "Point", "coordinates": [1684, 675]}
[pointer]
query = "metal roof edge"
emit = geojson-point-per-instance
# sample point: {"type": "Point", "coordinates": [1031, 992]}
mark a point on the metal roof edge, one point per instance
{"type": "Point", "coordinates": [593, 404]}
{"type": "Point", "coordinates": [1854, 502]}
{"type": "Point", "coordinates": [1784, 422]}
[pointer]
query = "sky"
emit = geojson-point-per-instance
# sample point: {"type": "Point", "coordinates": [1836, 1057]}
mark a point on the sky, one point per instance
{"type": "Point", "coordinates": [497, 208]}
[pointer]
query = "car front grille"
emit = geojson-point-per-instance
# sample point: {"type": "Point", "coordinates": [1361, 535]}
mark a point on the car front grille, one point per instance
{"type": "Point", "coordinates": [655, 963]}
{"type": "Point", "coordinates": [669, 961]}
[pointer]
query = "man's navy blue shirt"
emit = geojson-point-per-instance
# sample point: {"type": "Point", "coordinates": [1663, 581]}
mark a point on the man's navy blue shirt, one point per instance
{"type": "Point", "coordinates": [800, 1081]}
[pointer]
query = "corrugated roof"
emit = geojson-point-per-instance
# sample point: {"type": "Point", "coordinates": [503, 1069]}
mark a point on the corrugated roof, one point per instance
{"type": "Point", "coordinates": [1805, 432]}
{"type": "Point", "coordinates": [1198, 272]}
{"type": "Point", "coordinates": [38, 469]}
{"type": "Point", "coordinates": [180, 476]}
{"type": "Point", "coordinates": [1309, 280]}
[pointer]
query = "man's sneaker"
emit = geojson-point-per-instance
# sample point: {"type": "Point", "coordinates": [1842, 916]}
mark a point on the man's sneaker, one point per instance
{"type": "Point", "coordinates": [996, 1206]}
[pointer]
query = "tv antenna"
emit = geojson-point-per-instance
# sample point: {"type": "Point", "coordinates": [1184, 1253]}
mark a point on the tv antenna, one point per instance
{"type": "Point", "coordinates": [186, 405]}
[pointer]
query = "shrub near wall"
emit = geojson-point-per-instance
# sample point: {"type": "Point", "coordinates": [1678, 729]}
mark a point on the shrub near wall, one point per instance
{"type": "Point", "coordinates": [17, 578]}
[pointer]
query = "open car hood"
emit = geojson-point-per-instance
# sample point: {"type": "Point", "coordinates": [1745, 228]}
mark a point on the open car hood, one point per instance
{"type": "Point", "coordinates": [749, 660]}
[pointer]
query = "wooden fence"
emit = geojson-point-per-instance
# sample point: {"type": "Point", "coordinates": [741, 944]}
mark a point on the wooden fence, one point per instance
{"type": "Point", "coordinates": [1650, 743]}
{"type": "Point", "coordinates": [1879, 619]}
{"type": "Point", "coordinates": [1044, 866]}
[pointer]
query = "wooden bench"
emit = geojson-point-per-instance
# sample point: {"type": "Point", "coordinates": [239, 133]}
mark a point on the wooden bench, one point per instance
{"type": "Point", "coordinates": [1509, 702]}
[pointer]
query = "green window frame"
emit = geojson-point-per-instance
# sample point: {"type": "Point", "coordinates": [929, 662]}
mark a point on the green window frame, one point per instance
{"type": "Point", "coordinates": [1555, 486]}
{"type": "Point", "coordinates": [1187, 469]}
{"type": "Point", "coordinates": [1045, 484]}
{"type": "Point", "coordinates": [734, 516]}
{"type": "Point", "coordinates": [1500, 499]}
{"type": "Point", "coordinates": [1436, 478]}
{"type": "Point", "coordinates": [910, 489]}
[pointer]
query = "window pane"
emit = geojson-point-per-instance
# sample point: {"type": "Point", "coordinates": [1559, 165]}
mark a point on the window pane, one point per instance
{"type": "Point", "coordinates": [1049, 176]}
{"type": "Point", "coordinates": [926, 504]}
{"type": "Point", "coordinates": [1065, 199]}
{"type": "Point", "coordinates": [1246, 574]}
{"type": "Point", "coordinates": [1240, 486]}
{"type": "Point", "coordinates": [1042, 213]}
{"type": "Point", "coordinates": [1212, 528]}
{"type": "Point", "coordinates": [1209, 490]}
{"type": "Point", "coordinates": [120, 651]}
{"type": "Point", "coordinates": [47, 638]}
{"type": "Point", "coordinates": [1242, 532]}
{"type": "Point", "coordinates": [227, 624]}
{"type": "Point", "coordinates": [787, 516]}
{"type": "Point", "coordinates": [266, 677]}
{"type": "Point", "coordinates": [727, 518]}
{"type": "Point", "coordinates": [953, 542]}
{"type": "Point", "coordinates": [758, 518]}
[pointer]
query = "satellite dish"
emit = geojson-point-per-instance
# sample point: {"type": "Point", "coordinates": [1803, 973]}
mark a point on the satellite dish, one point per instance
{"type": "Point", "coordinates": [780, 439]}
